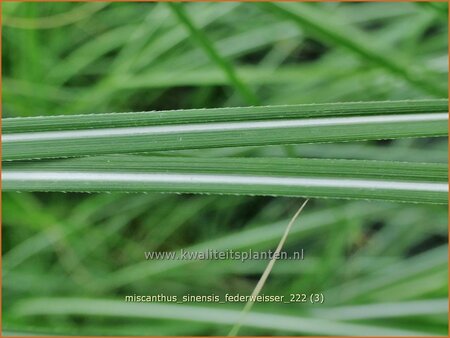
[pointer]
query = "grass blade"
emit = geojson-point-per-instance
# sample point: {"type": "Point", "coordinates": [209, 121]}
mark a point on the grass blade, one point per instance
{"type": "Point", "coordinates": [265, 275]}
{"type": "Point", "coordinates": [54, 21]}
{"type": "Point", "coordinates": [395, 275]}
{"type": "Point", "coordinates": [61, 136]}
{"type": "Point", "coordinates": [399, 181]}
{"type": "Point", "coordinates": [262, 237]}
{"type": "Point", "coordinates": [353, 40]}
{"type": "Point", "coordinates": [214, 55]}
{"type": "Point", "coordinates": [115, 308]}
{"type": "Point", "coordinates": [385, 310]}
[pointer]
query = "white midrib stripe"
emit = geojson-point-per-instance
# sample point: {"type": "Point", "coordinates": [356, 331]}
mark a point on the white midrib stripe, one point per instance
{"type": "Point", "coordinates": [219, 126]}
{"type": "Point", "coordinates": [195, 179]}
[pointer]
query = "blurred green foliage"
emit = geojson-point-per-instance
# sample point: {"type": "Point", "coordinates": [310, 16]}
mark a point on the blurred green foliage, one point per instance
{"type": "Point", "coordinates": [68, 58]}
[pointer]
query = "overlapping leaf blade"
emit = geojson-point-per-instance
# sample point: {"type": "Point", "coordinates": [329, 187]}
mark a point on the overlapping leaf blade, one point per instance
{"type": "Point", "coordinates": [400, 181]}
{"type": "Point", "coordinates": [63, 136]}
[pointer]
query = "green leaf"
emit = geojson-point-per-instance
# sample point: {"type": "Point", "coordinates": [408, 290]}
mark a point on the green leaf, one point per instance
{"type": "Point", "coordinates": [213, 53]}
{"type": "Point", "coordinates": [206, 314]}
{"type": "Point", "coordinates": [385, 310]}
{"type": "Point", "coordinates": [398, 181]}
{"type": "Point", "coordinates": [355, 41]}
{"type": "Point", "coordinates": [61, 136]}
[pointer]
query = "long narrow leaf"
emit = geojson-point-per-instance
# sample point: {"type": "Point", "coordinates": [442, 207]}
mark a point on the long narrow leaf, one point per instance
{"type": "Point", "coordinates": [208, 314]}
{"type": "Point", "coordinates": [213, 53]}
{"type": "Point", "coordinates": [399, 181]}
{"type": "Point", "coordinates": [60, 136]}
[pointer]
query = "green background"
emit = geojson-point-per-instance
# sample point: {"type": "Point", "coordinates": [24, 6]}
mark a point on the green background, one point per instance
{"type": "Point", "coordinates": [381, 266]}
